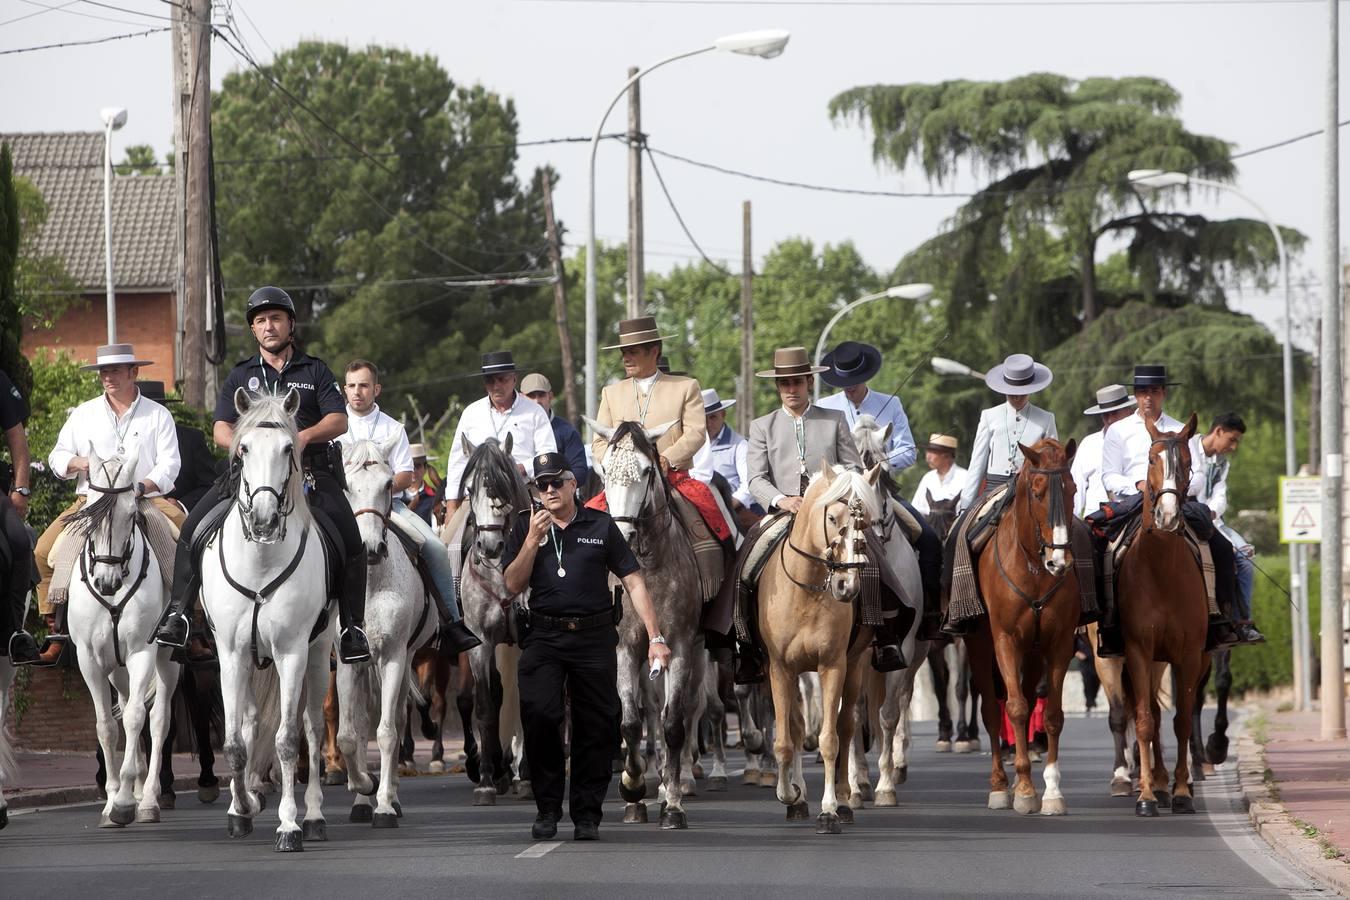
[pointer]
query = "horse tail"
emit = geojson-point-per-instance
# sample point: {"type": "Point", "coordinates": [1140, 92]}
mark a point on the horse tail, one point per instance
{"type": "Point", "coordinates": [266, 690]}
{"type": "Point", "coordinates": [415, 694]}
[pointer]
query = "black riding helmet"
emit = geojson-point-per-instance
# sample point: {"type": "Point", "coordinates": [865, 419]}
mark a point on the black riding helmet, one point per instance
{"type": "Point", "coordinates": [265, 298]}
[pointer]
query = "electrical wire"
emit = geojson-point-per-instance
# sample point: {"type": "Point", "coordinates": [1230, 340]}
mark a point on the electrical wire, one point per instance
{"type": "Point", "coordinates": [102, 40]}
{"type": "Point", "coordinates": [987, 4]}
{"type": "Point", "coordinates": [44, 10]}
{"type": "Point", "coordinates": [656, 170]}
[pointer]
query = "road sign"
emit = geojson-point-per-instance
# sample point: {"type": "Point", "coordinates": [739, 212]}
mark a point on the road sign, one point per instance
{"type": "Point", "coordinates": [1300, 510]}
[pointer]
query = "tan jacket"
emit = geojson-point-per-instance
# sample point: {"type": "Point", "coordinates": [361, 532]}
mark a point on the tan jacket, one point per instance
{"type": "Point", "coordinates": [674, 398]}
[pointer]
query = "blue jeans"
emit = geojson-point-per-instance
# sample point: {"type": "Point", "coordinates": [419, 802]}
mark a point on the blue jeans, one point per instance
{"type": "Point", "coordinates": [434, 554]}
{"type": "Point", "coordinates": [1246, 580]}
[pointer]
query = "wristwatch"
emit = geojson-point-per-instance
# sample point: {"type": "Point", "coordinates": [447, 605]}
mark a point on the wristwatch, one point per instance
{"type": "Point", "coordinates": [24, 491]}
{"type": "Point", "coordinates": [659, 639]}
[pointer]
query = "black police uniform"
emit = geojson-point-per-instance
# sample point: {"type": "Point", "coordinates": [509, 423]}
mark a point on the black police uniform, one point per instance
{"type": "Point", "coordinates": [319, 396]}
{"type": "Point", "coordinates": [569, 649]}
{"type": "Point", "coordinates": [13, 411]}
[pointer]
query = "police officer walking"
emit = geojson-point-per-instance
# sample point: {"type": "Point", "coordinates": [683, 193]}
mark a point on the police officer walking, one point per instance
{"type": "Point", "coordinates": [564, 554]}
{"type": "Point", "coordinates": [280, 366]}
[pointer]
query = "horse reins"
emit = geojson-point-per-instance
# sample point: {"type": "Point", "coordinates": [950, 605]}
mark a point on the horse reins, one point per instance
{"type": "Point", "coordinates": [856, 525]}
{"type": "Point", "coordinates": [90, 557]}
{"type": "Point", "coordinates": [639, 545]}
{"type": "Point", "coordinates": [381, 514]}
{"type": "Point", "coordinates": [1057, 515]}
{"type": "Point", "coordinates": [284, 505]}
{"type": "Point", "coordinates": [1172, 452]}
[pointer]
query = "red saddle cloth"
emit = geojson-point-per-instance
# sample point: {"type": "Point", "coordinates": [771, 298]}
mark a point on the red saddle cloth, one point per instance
{"type": "Point", "coordinates": [693, 490]}
{"type": "Point", "coordinates": [1035, 722]}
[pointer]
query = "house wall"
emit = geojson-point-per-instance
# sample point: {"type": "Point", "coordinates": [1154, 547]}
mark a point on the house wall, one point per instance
{"type": "Point", "coordinates": [146, 321]}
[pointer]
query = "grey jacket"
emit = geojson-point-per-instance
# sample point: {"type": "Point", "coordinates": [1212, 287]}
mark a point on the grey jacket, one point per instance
{"type": "Point", "coordinates": [995, 452]}
{"type": "Point", "coordinates": [772, 459]}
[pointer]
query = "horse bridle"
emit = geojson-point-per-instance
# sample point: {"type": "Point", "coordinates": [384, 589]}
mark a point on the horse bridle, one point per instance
{"type": "Point", "coordinates": [635, 521]}
{"type": "Point", "coordinates": [857, 524]}
{"type": "Point", "coordinates": [382, 514]}
{"type": "Point", "coordinates": [284, 506]}
{"type": "Point", "coordinates": [471, 523]}
{"type": "Point", "coordinates": [91, 557]}
{"type": "Point", "coordinates": [1172, 450]}
{"type": "Point", "coordinates": [1058, 510]}
{"type": "Point", "coordinates": [1057, 515]}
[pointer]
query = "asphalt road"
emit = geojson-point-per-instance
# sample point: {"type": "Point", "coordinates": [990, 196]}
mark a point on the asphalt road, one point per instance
{"type": "Point", "coordinates": [940, 842]}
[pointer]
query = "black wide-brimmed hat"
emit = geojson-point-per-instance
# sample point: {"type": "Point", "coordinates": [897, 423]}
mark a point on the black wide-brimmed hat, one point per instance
{"type": "Point", "coordinates": [154, 390]}
{"type": "Point", "coordinates": [851, 363]}
{"type": "Point", "coordinates": [498, 361]}
{"type": "Point", "coordinates": [1151, 376]}
{"type": "Point", "coordinates": [551, 463]}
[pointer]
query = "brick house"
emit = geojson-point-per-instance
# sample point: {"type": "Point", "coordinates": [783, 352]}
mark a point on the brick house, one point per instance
{"type": "Point", "coordinates": [67, 168]}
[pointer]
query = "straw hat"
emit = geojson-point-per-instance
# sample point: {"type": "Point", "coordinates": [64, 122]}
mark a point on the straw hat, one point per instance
{"type": "Point", "coordinates": [1109, 399]}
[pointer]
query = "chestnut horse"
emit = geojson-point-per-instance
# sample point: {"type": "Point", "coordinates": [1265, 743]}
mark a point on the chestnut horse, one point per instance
{"type": "Point", "coordinates": [1030, 587]}
{"type": "Point", "coordinates": [1163, 617]}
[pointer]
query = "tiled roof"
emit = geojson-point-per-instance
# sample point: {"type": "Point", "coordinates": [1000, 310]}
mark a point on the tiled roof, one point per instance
{"type": "Point", "coordinates": [68, 169]}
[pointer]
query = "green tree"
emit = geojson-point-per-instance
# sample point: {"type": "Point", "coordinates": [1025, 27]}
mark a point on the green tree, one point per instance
{"type": "Point", "coordinates": [12, 361]}
{"type": "Point", "coordinates": [43, 287]}
{"type": "Point", "coordinates": [140, 160]}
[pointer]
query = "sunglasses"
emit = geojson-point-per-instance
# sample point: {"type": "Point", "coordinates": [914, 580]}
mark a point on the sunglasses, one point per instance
{"type": "Point", "coordinates": [550, 484]}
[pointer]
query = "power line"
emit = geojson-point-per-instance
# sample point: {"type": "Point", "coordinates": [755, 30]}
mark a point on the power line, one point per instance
{"type": "Point", "coordinates": [679, 218]}
{"type": "Point", "coordinates": [988, 4]}
{"type": "Point", "coordinates": [123, 9]}
{"type": "Point", "coordinates": [76, 12]}
{"type": "Point", "coordinates": [43, 11]}
{"type": "Point", "coordinates": [102, 40]}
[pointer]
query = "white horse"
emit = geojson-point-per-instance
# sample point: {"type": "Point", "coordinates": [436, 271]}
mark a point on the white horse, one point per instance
{"type": "Point", "coordinates": [890, 711]}
{"type": "Point", "coordinates": [399, 621]}
{"type": "Point", "coordinates": [263, 588]}
{"type": "Point", "coordinates": [114, 604]}
{"type": "Point", "coordinates": [9, 766]}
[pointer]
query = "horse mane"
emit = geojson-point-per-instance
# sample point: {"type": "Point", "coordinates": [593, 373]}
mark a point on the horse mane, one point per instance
{"type": "Point", "coordinates": [849, 483]}
{"type": "Point", "coordinates": [362, 453]}
{"type": "Point", "coordinates": [92, 515]}
{"type": "Point", "coordinates": [269, 411]}
{"type": "Point", "coordinates": [870, 444]}
{"type": "Point", "coordinates": [502, 478]}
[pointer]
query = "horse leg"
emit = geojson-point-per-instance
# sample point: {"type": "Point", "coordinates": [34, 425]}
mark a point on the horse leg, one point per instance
{"type": "Point", "coordinates": [904, 696]}
{"type": "Point", "coordinates": [937, 667]}
{"type": "Point", "coordinates": [465, 690]}
{"type": "Point", "coordinates": [164, 675]}
{"type": "Point", "coordinates": [1019, 683]}
{"type": "Point", "coordinates": [106, 725]}
{"type": "Point", "coordinates": [199, 715]}
{"type": "Point", "coordinates": [334, 766]}
{"type": "Point", "coordinates": [393, 688]}
{"type": "Point", "coordinates": [485, 725]}
{"type": "Point", "coordinates": [1139, 663]}
{"type": "Point", "coordinates": [350, 741]}
{"type": "Point", "coordinates": [1183, 799]}
{"type": "Point", "coordinates": [632, 782]}
{"type": "Point", "coordinates": [439, 681]}
{"type": "Point", "coordinates": [888, 721]}
{"type": "Point", "coordinates": [1159, 766]}
{"type": "Point", "coordinates": [982, 673]}
{"type": "Point", "coordinates": [786, 706]}
{"type": "Point", "coordinates": [1216, 748]}
{"type": "Point", "coordinates": [290, 672]}
{"type": "Point", "coordinates": [1053, 803]}
{"type": "Point", "coordinates": [674, 732]}
{"type": "Point", "coordinates": [314, 827]}
{"type": "Point", "coordinates": [239, 726]}
{"type": "Point", "coordinates": [717, 726]}
{"type": "Point", "coordinates": [858, 775]}
{"type": "Point", "coordinates": [1196, 744]}
{"type": "Point", "coordinates": [831, 735]}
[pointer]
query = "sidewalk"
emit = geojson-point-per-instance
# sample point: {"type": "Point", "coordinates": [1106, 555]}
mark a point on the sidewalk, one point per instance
{"type": "Point", "coordinates": [1297, 789]}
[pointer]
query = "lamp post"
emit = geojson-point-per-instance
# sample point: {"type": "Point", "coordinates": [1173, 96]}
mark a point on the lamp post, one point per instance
{"type": "Point", "coordinates": [1156, 179]}
{"type": "Point", "coordinates": [765, 45]}
{"type": "Point", "coordinates": [917, 291]}
{"type": "Point", "coordinates": [944, 366]}
{"type": "Point", "coordinates": [113, 119]}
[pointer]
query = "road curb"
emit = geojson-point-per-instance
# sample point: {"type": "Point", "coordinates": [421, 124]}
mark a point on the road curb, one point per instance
{"type": "Point", "coordinates": [1276, 826]}
{"type": "Point", "coordinates": [61, 796]}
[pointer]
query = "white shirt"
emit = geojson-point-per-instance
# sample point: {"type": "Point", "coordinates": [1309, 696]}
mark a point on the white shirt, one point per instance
{"type": "Point", "coordinates": [146, 428]}
{"type": "Point", "coordinates": [380, 428]}
{"type": "Point", "coordinates": [1087, 475]}
{"type": "Point", "coordinates": [1209, 479]}
{"type": "Point", "coordinates": [1125, 452]}
{"type": "Point", "coordinates": [526, 422]}
{"type": "Point", "coordinates": [727, 454]}
{"type": "Point", "coordinates": [943, 487]}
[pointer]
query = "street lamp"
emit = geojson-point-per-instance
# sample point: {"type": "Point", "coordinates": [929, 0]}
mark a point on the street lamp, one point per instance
{"type": "Point", "coordinates": [944, 366]}
{"type": "Point", "coordinates": [917, 291]}
{"type": "Point", "coordinates": [113, 118]}
{"type": "Point", "coordinates": [765, 45]}
{"type": "Point", "coordinates": [1157, 179]}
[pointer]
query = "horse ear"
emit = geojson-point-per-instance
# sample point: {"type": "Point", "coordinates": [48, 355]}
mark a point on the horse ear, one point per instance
{"type": "Point", "coordinates": [1069, 450]}
{"type": "Point", "coordinates": [886, 435]}
{"type": "Point", "coordinates": [606, 433]}
{"type": "Point", "coordinates": [874, 475]}
{"type": "Point", "coordinates": [931, 499]}
{"type": "Point", "coordinates": [94, 460]}
{"type": "Point", "coordinates": [242, 400]}
{"type": "Point", "coordinates": [1153, 431]}
{"type": "Point", "coordinates": [1191, 424]}
{"type": "Point", "coordinates": [387, 448]}
{"type": "Point", "coordinates": [825, 471]}
{"type": "Point", "coordinates": [654, 434]}
{"type": "Point", "coordinates": [292, 402]}
{"type": "Point", "coordinates": [1032, 456]}
{"type": "Point", "coordinates": [506, 444]}
{"type": "Point", "coordinates": [466, 445]}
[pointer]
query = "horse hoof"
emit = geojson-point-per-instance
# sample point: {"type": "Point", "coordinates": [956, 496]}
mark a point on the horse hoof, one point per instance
{"type": "Point", "coordinates": [798, 812]}
{"type": "Point", "coordinates": [750, 778]}
{"type": "Point", "coordinates": [999, 800]}
{"type": "Point", "coordinates": [717, 784]}
{"type": "Point", "coordinates": [1056, 807]}
{"type": "Point", "coordinates": [374, 786]}
{"type": "Point", "coordinates": [1183, 806]}
{"type": "Point", "coordinates": [398, 809]}
{"type": "Point", "coordinates": [334, 777]}
{"type": "Point", "coordinates": [845, 814]}
{"type": "Point", "coordinates": [437, 767]}
{"type": "Point", "coordinates": [1205, 771]}
{"type": "Point", "coordinates": [238, 826]}
{"type": "Point", "coordinates": [901, 774]}
{"type": "Point", "coordinates": [635, 814]}
{"type": "Point", "coordinates": [385, 820]}
{"type": "Point", "coordinates": [810, 743]}
{"type": "Point", "coordinates": [361, 813]}
{"type": "Point", "coordinates": [168, 800]}
{"type": "Point", "coordinates": [1164, 799]}
{"type": "Point", "coordinates": [407, 770]}
{"type": "Point", "coordinates": [943, 747]}
{"type": "Point", "coordinates": [634, 793]}
{"type": "Point", "coordinates": [123, 815]}
{"type": "Point", "coordinates": [697, 770]}
{"type": "Point", "coordinates": [314, 830]}
{"type": "Point", "coordinates": [768, 778]}
{"type": "Point", "coordinates": [290, 842]}
{"type": "Point", "coordinates": [674, 820]}
{"type": "Point", "coordinates": [106, 822]}
{"type": "Point", "coordinates": [1026, 805]}
{"type": "Point", "coordinates": [828, 823]}
{"type": "Point", "coordinates": [1121, 787]}
{"type": "Point", "coordinates": [147, 816]}
{"type": "Point", "coordinates": [208, 793]}
{"type": "Point", "coordinates": [886, 798]}
{"type": "Point", "coordinates": [1216, 749]}
{"type": "Point", "coordinates": [866, 793]}
{"type": "Point", "coordinates": [1147, 809]}
{"type": "Point", "coordinates": [485, 796]}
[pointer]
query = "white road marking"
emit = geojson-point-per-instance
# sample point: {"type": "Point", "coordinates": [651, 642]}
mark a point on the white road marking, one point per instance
{"type": "Point", "coordinates": [538, 850]}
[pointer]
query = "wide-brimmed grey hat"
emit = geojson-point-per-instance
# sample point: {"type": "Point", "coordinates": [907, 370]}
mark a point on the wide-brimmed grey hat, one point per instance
{"type": "Point", "coordinates": [713, 403]}
{"type": "Point", "coordinates": [1018, 374]}
{"type": "Point", "coordinates": [116, 355]}
{"type": "Point", "coordinates": [1109, 399]}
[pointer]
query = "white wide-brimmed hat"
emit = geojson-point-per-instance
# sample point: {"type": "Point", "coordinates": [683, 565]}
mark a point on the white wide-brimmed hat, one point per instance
{"type": "Point", "coordinates": [1018, 374]}
{"type": "Point", "coordinates": [713, 403]}
{"type": "Point", "coordinates": [116, 355]}
{"type": "Point", "coordinates": [418, 451]}
{"type": "Point", "coordinates": [1109, 399]}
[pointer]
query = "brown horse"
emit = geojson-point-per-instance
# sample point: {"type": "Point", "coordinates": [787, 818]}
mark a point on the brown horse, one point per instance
{"type": "Point", "coordinates": [1163, 618]}
{"type": "Point", "coordinates": [806, 620]}
{"type": "Point", "coordinates": [1027, 578]}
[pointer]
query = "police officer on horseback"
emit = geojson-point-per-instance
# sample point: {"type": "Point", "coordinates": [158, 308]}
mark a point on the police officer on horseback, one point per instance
{"type": "Point", "coordinates": [281, 366]}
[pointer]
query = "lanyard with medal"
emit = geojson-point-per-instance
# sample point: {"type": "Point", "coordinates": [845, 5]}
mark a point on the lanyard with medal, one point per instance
{"type": "Point", "coordinates": [120, 432]}
{"type": "Point", "coordinates": [557, 547]}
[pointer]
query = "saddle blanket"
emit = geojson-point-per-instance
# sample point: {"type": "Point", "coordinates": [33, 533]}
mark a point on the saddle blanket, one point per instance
{"type": "Point", "coordinates": [160, 531]}
{"type": "Point", "coordinates": [693, 490]}
{"type": "Point", "coordinates": [1198, 545]}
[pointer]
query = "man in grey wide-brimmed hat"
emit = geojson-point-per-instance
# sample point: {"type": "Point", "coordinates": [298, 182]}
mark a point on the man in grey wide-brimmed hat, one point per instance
{"type": "Point", "coordinates": [996, 457]}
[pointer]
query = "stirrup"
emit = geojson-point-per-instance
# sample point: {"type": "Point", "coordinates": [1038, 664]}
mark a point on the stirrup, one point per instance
{"type": "Point", "coordinates": [164, 641]}
{"type": "Point", "coordinates": [9, 650]}
{"type": "Point", "coordinates": [361, 650]}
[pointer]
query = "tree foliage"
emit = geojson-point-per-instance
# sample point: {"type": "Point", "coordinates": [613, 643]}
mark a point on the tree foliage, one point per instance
{"type": "Point", "coordinates": [43, 287]}
{"type": "Point", "coordinates": [12, 361]}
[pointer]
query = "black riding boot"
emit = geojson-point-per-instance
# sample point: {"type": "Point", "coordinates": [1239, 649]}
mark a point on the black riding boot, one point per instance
{"type": "Point", "coordinates": [749, 664]}
{"type": "Point", "coordinates": [17, 644]}
{"type": "Point", "coordinates": [930, 626]}
{"type": "Point", "coordinates": [174, 626]}
{"type": "Point", "coordinates": [352, 644]}
{"type": "Point", "coordinates": [455, 636]}
{"type": "Point", "coordinates": [886, 655]}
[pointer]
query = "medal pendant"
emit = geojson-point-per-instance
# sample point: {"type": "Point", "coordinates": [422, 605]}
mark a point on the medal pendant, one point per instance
{"type": "Point", "coordinates": [562, 573]}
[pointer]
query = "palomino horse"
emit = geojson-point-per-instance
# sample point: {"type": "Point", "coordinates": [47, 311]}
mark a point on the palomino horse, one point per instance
{"type": "Point", "coordinates": [806, 621]}
{"type": "Point", "coordinates": [114, 603]}
{"type": "Point", "coordinates": [264, 580]}
{"type": "Point", "coordinates": [1027, 578]}
{"type": "Point", "coordinates": [399, 620]}
{"type": "Point", "coordinates": [1163, 617]}
{"type": "Point", "coordinates": [638, 497]}
{"type": "Point", "coordinates": [887, 696]}
{"type": "Point", "coordinates": [495, 491]}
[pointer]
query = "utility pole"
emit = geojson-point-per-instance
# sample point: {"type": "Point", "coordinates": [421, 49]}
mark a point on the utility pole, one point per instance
{"type": "Point", "coordinates": [192, 159]}
{"type": "Point", "coordinates": [747, 404]}
{"type": "Point", "coordinates": [636, 278]}
{"type": "Point", "coordinates": [560, 302]}
{"type": "Point", "coordinates": [1333, 667]}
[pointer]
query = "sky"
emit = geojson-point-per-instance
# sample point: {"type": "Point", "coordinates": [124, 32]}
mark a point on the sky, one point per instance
{"type": "Point", "coordinates": [1252, 73]}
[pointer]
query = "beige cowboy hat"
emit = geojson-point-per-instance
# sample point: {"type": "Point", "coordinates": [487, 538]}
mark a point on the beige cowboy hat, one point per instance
{"type": "Point", "coordinates": [419, 451]}
{"type": "Point", "coordinates": [1109, 399]}
{"type": "Point", "coordinates": [790, 362]}
{"type": "Point", "coordinates": [633, 332]}
{"type": "Point", "coordinates": [116, 355]}
{"type": "Point", "coordinates": [942, 443]}
{"type": "Point", "coordinates": [535, 383]}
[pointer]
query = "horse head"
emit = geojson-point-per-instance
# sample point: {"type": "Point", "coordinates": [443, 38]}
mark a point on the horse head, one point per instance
{"type": "Point", "coordinates": [370, 491]}
{"type": "Point", "coordinates": [871, 440]}
{"type": "Point", "coordinates": [1169, 475]}
{"type": "Point", "coordinates": [631, 470]}
{"type": "Point", "coordinates": [495, 489]}
{"type": "Point", "coordinates": [1046, 488]}
{"type": "Point", "coordinates": [941, 513]}
{"type": "Point", "coordinates": [266, 446]}
{"type": "Point", "coordinates": [844, 502]}
{"type": "Point", "coordinates": [109, 520]}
